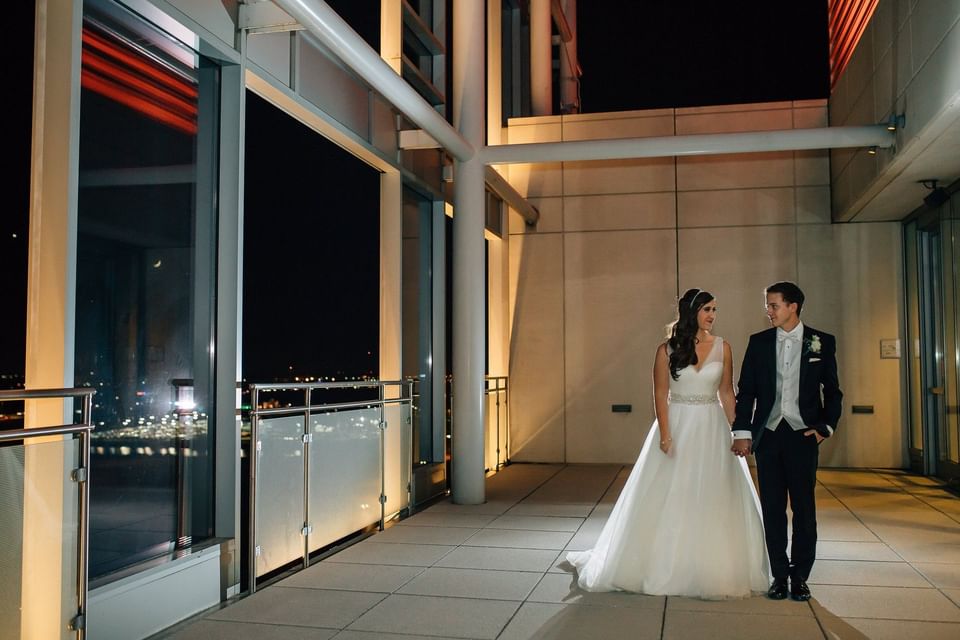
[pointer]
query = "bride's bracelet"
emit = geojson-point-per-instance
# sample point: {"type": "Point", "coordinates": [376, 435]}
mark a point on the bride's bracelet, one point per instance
{"type": "Point", "coordinates": [663, 442]}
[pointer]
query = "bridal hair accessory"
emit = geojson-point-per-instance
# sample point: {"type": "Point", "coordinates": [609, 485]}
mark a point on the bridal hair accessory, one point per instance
{"type": "Point", "coordinates": [694, 298]}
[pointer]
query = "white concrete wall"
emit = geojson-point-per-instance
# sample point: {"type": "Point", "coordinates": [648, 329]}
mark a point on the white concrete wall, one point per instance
{"type": "Point", "coordinates": [594, 284]}
{"type": "Point", "coordinates": [905, 63]}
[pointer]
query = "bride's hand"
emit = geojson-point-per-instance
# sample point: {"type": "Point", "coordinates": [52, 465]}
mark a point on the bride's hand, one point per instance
{"type": "Point", "coordinates": [665, 444]}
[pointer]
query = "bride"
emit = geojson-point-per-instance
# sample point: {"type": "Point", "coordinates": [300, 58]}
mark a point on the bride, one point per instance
{"type": "Point", "coordinates": [687, 522]}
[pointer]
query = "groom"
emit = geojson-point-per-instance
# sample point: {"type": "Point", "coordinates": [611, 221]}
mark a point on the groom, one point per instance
{"type": "Point", "coordinates": [789, 401]}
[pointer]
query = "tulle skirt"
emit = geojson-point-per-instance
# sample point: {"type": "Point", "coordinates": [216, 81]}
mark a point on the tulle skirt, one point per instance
{"type": "Point", "coordinates": [685, 524]}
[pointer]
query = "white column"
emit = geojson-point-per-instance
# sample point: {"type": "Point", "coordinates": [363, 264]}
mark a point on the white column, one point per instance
{"type": "Point", "coordinates": [391, 273]}
{"type": "Point", "coordinates": [494, 72]}
{"type": "Point", "coordinates": [48, 578]}
{"type": "Point", "coordinates": [469, 309]}
{"type": "Point", "coordinates": [391, 32]}
{"type": "Point", "coordinates": [568, 62]}
{"type": "Point", "coordinates": [541, 60]}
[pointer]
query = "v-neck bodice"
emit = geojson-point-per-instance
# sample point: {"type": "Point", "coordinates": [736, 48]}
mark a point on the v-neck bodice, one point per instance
{"type": "Point", "coordinates": [702, 379]}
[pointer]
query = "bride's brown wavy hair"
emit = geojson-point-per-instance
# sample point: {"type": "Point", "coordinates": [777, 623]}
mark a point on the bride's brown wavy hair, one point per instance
{"type": "Point", "coordinates": [682, 332]}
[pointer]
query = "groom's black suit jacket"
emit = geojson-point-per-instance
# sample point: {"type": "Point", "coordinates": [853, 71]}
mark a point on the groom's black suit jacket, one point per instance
{"type": "Point", "coordinates": [819, 394]}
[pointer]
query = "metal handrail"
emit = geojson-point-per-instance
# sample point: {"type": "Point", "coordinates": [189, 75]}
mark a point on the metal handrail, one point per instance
{"type": "Point", "coordinates": [307, 409]}
{"type": "Point", "coordinates": [487, 390]}
{"type": "Point", "coordinates": [8, 395]}
{"type": "Point", "coordinates": [81, 475]}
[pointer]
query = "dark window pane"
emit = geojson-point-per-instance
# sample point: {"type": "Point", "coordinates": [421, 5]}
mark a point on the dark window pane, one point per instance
{"type": "Point", "coordinates": [146, 259]}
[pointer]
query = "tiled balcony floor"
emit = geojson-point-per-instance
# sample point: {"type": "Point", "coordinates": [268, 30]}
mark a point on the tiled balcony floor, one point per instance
{"type": "Point", "coordinates": [888, 567]}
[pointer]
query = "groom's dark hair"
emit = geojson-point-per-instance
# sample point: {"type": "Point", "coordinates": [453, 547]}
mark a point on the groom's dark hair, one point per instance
{"type": "Point", "coordinates": [789, 291]}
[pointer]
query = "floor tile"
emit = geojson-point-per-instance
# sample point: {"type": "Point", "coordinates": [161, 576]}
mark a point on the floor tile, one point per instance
{"type": "Point", "coordinates": [885, 602]}
{"type": "Point", "coordinates": [432, 518]}
{"type": "Point", "coordinates": [539, 560]}
{"type": "Point", "coordinates": [300, 607]}
{"type": "Point", "coordinates": [586, 537]}
{"type": "Point", "coordinates": [758, 605]}
{"type": "Point", "coordinates": [888, 567]}
{"type": "Point", "coordinates": [352, 577]}
{"type": "Point", "coordinates": [560, 565]}
{"type": "Point", "coordinates": [432, 616]}
{"type": "Point", "coordinates": [929, 552]}
{"type": "Point", "coordinates": [860, 628]}
{"type": "Point", "coordinates": [537, 523]}
{"type": "Point", "coordinates": [519, 539]}
{"type": "Point", "coordinates": [866, 573]}
{"type": "Point", "coordinates": [490, 507]}
{"type": "Point", "coordinates": [681, 625]}
{"type": "Point", "coordinates": [542, 621]}
{"type": "Point", "coordinates": [426, 535]}
{"type": "Point", "coordinates": [941, 574]}
{"type": "Point", "coordinates": [348, 634]}
{"type": "Point", "coordinates": [533, 508]}
{"type": "Point", "coordinates": [472, 583]}
{"type": "Point", "coordinates": [953, 594]}
{"type": "Point", "coordinates": [411, 555]}
{"type": "Point", "coordinates": [561, 588]}
{"type": "Point", "coordinates": [876, 551]}
{"type": "Point", "coordinates": [223, 630]}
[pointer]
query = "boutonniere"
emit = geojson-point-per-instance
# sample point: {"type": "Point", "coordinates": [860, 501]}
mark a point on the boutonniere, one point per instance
{"type": "Point", "coordinates": [813, 344]}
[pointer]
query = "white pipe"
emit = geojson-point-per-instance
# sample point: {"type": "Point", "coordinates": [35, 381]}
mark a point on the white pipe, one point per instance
{"type": "Point", "coordinates": [324, 23]}
{"type": "Point", "coordinates": [541, 58]}
{"type": "Point", "coordinates": [694, 145]}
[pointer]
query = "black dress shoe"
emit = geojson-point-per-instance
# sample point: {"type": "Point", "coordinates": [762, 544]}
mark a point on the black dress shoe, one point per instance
{"type": "Point", "coordinates": [799, 590]}
{"type": "Point", "coordinates": [778, 590]}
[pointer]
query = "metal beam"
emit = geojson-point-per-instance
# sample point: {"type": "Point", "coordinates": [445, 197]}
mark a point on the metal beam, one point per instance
{"type": "Point", "coordinates": [324, 23]}
{"type": "Point", "coordinates": [499, 185]}
{"type": "Point", "coordinates": [694, 145]}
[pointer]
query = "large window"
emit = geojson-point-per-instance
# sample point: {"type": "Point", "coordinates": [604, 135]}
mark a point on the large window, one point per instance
{"type": "Point", "coordinates": [146, 267]}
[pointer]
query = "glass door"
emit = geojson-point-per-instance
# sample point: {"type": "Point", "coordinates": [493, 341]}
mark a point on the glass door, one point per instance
{"type": "Point", "coordinates": [933, 347]}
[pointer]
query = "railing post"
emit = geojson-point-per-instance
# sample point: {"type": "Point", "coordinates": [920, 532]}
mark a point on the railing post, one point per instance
{"type": "Point", "coordinates": [383, 454]}
{"type": "Point", "coordinates": [254, 455]}
{"type": "Point", "coordinates": [307, 439]}
{"type": "Point", "coordinates": [497, 392]}
{"type": "Point", "coordinates": [506, 401]}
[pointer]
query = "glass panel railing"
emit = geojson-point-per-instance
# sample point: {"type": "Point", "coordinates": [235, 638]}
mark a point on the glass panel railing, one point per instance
{"type": "Point", "coordinates": [44, 505]}
{"type": "Point", "coordinates": [312, 487]}
{"type": "Point", "coordinates": [279, 492]}
{"type": "Point", "coordinates": [344, 474]}
{"type": "Point", "coordinates": [11, 532]}
{"type": "Point", "coordinates": [398, 461]}
{"type": "Point", "coordinates": [39, 503]}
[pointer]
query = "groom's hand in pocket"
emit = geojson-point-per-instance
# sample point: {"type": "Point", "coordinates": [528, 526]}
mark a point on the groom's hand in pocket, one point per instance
{"type": "Point", "coordinates": [814, 433]}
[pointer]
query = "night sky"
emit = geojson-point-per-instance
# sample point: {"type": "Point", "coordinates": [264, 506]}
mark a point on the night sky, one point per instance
{"type": "Point", "coordinates": [635, 55]}
{"type": "Point", "coordinates": [311, 253]}
{"type": "Point", "coordinates": [681, 53]}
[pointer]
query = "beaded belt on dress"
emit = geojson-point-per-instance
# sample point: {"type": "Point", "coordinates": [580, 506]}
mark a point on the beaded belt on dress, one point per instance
{"type": "Point", "coordinates": [687, 398]}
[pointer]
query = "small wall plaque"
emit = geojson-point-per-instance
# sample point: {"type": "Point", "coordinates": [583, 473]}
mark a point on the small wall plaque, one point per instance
{"type": "Point", "coordinates": [890, 348]}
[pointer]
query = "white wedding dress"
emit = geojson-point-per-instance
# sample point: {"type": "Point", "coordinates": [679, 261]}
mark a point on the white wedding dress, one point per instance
{"type": "Point", "coordinates": [687, 523]}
